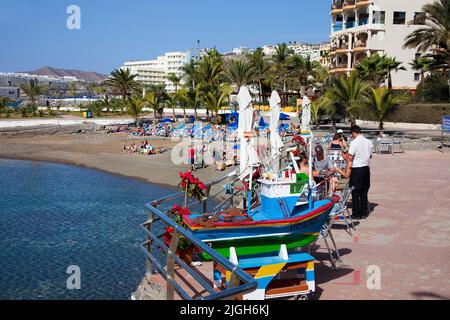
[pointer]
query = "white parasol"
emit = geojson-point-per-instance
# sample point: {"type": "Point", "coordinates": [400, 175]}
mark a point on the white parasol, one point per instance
{"type": "Point", "coordinates": [275, 139]}
{"type": "Point", "coordinates": [248, 156]}
{"type": "Point", "coordinates": [306, 112]}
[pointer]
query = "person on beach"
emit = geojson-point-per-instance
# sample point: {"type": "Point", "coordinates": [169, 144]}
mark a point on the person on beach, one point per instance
{"type": "Point", "coordinates": [125, 148]}
{"type": "Point", "coordinates": [191, 153]}
{"type": "Point", "coordinates": [360, 154]}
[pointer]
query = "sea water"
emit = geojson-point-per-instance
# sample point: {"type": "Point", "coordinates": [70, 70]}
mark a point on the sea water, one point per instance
{"type": "Point", "coordinates": [54, 216]}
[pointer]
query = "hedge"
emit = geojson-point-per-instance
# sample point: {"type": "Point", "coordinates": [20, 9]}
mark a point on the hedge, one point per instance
{"type": "Point", "coordinates": [413, 113]}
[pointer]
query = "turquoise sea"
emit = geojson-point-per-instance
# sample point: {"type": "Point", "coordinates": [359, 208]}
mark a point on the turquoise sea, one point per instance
{"type": "Point", "coordinates": [53, 216]}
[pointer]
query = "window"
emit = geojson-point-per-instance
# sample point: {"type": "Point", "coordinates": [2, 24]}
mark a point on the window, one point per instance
{"type": "Point", "coordinates": [399, 17]}
{"type": "Point", "coordinates": [416, 76]}
{"type": "Point", "coordinates": [379, 17]}
{"type": "Point", "coordinates": [419, 18]}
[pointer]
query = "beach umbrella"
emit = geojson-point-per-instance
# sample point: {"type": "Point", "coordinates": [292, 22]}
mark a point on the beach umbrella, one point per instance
{"type": "Point", "coordinates": [167, 120]}
{"type": "Point", "coordinates": [262, 123]}
{"type": "Point", "coordinates": [306, 112]}
{"type": "Point", "coordinates": [284, 116]}
{"type": "Point", "coordinates": [275, 139]}
{"type": "Point", "coordinates": [207, 128]}
{"type": "Point", "coordinates": [248, 156]}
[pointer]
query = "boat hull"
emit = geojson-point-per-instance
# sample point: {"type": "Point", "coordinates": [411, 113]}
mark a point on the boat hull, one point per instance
{"type": "Point", "coordinates": [259, 246]}
{"type": "Point", "coordinates": [260, 237]}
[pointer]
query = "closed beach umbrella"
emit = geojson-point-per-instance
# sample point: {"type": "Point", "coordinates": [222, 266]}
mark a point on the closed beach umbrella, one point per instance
{"type": "Point", "coordinates": [248, 155]}
{"type": "Point", "coordinates": [275, 139]}
{"type": "Point", "coordinates": [306, 112]}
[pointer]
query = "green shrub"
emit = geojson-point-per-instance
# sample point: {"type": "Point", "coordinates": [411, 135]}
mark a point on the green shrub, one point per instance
{"type": "Point", "coordinates": [433, 89]}
{"type": "Point", "coordinates": [413, 113]}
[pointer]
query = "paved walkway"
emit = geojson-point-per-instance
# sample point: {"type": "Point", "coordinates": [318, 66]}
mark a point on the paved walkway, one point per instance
{"type": "Point", "coordinates": [407, 235]}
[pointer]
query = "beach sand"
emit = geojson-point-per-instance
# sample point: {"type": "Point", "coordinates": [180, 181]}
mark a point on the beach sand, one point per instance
{"type": "Point", "coordinates": [102, 152]}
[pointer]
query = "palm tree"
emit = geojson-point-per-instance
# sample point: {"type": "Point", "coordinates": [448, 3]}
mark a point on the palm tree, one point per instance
{"type": "Point", "coordinates": [172, 77]}
{"type": "Point", "coordinates": [209, 72]}
{"type": "Point", "coordinates": [435, 32]}
{"type": "Point", "coordinates": [215, 98]}
{"type": "Point", "coordinates": [134, 107]}
{"type": "Point", "coordinates": [420, 64]}
{"type": "Point", "coordinates": [122, 82]}
{"type": "Point", "coordinates": [239, 72]}
{"type": "Point", "coordinates": [190, 73]}
{"type": "Point", "coordinates": [4, 101]}
{"type": "Point", "coordinates": [391, 64]}
{"type": "Point", "coordinates": [282, 52]}
{"type": "Point", "coordinates": [316, 108]}
{"type": "Point", "coordinates": [97, 107]}
{"type": "Point", "coordinates": [172, 102]}
{"type": "Point", "coordinates": [92, 88]}
{"type": "Point", "coordinates": [301, 71]}
{"type": "Point", "coordinates": [190, 99]}
{"type": "Point", "coordinates": [346, 95]}
{"type": "Point", "coordinates": [372, 70]}
{"type": "Point", "coordinates": [154, 102]}
{"type": "Point", "coordinates": [261, 67]}
{"type": "Point", "coordinates": [382, 100]}
{"type": "Point", "coordinates": [183, 100]}
{"type": "Point", "coordinates": [33, 90]}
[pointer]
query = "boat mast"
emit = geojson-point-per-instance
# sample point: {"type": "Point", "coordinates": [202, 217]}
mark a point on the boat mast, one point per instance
{"type": "Point", "coordinates": [311, 181]}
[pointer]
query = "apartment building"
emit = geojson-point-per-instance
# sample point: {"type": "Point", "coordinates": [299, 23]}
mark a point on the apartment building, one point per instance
{"type": "Point", "coordinates": [12, 93]}
{"type": "Point", "coordinates": [311, 51]}
{"type": "Point", "coordinates": [325, 57]}
{"type": "Point", "coordinates": [360, 28]}
{"type": "Point", "coordinates": [157, 71]}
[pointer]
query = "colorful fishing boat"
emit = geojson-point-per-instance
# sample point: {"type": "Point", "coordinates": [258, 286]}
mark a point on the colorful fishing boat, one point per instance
{"type": "Point", "coordinates": [286, 212]}
{"type": "Point", "coordinates": [288, 220]}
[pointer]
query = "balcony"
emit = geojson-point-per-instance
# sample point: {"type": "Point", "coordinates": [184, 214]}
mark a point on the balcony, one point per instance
{"type": "Point", "coordinates": [339, 68]}
{"type": "Point", "coordinates": [363, 21]}
{"type": "Point", "coordinates": [338, 27]}
{"type": "Point", "coordinates": [348, 5]}
{"type": "Point", "coordinates": [362, 3]}
{"type": "Point", "coordinates": [342, 49]}
{"type": "Point", "coordinates": [350, 24]}
{"type": "Point", "coordinates": [336, 7]}
{"type": "Point", "coordinates": [360, 46]}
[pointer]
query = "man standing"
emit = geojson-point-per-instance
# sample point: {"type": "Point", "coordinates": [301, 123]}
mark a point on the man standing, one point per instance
{"type": "Point", "coordinates": [360, 154]}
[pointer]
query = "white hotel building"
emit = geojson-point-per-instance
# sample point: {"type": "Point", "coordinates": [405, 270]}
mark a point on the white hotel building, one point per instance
{"type": "Point", "coordinates": [157, 71]}
{"type": "Point", "coordinates": [360, 28]}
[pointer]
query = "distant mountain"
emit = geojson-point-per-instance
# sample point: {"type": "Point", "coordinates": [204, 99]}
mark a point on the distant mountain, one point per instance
{"type": "Point", "coordinates": [82, 75]}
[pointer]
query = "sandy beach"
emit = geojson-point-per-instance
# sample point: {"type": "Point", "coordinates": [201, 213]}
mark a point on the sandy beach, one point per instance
{"type": "Point", "coordinates": [101, 152]}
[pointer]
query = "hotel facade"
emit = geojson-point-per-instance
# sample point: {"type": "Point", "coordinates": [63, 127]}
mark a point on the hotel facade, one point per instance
{"type": "Point", "coordinates": [360, 28]}
{"type": "Point", "coordinates": [156, 72]}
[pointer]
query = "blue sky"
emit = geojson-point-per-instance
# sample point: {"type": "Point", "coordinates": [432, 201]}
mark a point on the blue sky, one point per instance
{"type": "Point", "coordinates": [34, 32]}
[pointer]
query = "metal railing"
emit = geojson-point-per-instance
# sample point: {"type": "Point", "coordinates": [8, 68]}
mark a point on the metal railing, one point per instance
{"type": "Point", "coordinates": [240, 283]}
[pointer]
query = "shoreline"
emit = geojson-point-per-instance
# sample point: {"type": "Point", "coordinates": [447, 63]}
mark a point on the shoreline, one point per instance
{"type": "Point", "coordinates": [75, 164]}
{"type": "Point", "coordinates": [103, 152]}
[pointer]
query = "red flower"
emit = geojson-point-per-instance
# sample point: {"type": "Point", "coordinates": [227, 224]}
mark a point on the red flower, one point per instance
{"type": "Point", "coordinates": [201, 185]}
{"type": "Point", "coordinates": [170, 230]}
